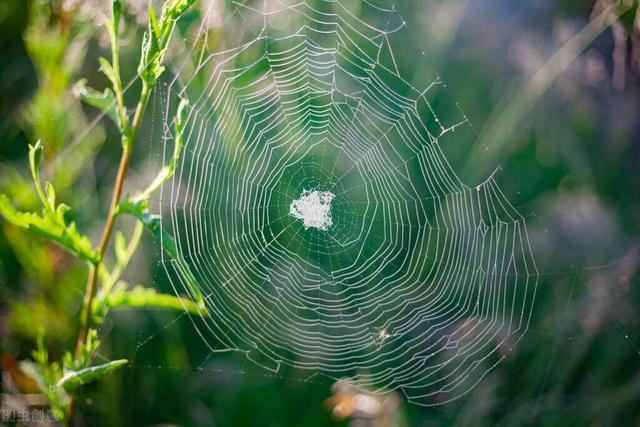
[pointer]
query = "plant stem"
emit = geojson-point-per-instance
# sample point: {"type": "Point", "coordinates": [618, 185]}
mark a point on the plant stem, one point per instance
{"type": "Point", "coordinates": [107, 231]}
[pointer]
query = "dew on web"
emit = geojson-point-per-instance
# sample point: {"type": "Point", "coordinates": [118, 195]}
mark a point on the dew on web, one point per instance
{"type": "Point", "coordinates": [316, 210]}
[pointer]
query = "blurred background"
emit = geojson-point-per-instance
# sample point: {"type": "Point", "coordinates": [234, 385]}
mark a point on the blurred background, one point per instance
{"type": "Point", "coordinates": [568, 158]}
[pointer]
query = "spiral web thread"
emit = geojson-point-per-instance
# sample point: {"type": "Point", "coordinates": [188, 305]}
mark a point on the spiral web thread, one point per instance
{"type": "Point", "coordinates": [420, 283]}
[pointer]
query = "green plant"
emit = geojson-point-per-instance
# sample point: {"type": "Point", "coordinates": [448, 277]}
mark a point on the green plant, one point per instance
{"type": "Point", "coordinates": [59, 380]}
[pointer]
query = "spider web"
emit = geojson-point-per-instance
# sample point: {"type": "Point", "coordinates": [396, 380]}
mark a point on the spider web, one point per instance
{"type": "Point", "coordinates": [413, 281]}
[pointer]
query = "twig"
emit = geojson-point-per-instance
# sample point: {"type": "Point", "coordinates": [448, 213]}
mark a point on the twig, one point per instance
{"type": "Point", "coordinates": [107, 231]}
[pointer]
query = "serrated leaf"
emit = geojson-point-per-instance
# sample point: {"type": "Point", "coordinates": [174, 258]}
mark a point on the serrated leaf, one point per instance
{"type": "Point", "coordinates": [105, 101]}
{"type": "Point", "coordinates": [48, 225]}
{"type": "Point", "coordinates": [73, 379]}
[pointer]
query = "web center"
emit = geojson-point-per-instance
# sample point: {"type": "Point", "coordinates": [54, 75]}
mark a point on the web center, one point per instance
{"type": "Point", "coordinates": [313, 208]}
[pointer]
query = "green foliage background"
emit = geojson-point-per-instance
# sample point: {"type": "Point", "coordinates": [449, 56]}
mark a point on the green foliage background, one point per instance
{"type": "Point", "coordinates": [571, 165]}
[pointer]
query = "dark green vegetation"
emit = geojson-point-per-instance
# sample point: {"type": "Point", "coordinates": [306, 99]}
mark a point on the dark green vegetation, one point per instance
{"type": "Point", "coordinates": [569, 160]}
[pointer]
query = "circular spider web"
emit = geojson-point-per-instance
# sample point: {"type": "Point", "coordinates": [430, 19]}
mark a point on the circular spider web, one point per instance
{"type": "Point", "coordinates": [315, 210]}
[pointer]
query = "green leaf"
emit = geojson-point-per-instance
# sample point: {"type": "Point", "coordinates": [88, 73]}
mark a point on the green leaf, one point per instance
{"type": "Point", "coordinates": [51, 226]}
{"type": "Point", "coordinates": [153, 22]}
{"type": "Point", "coordinates": [61, 210]}
{"type": "Point", "coordinates": [175, 8]}
{"type": "Point", "coordinates": [50, 194]}
{"type": "Point", "coordinates": [138, 209]}
{"type": "Point", "coordinates": [140, 296]}
{"type": "Point", "coordinates": [73, 379]}
{"type": "Point", "coordinates": [40, 354]}
{"type": "Point", "coordinates": [105, 101]}
{"type": "Point", "coordinates": [87, 348]}
{"type": "Point", "coordinates": [50, 223]}
{"type": "Point", "coordinates": [156, 39]}
{"type": "Point", "coordinates": [35, 157]}
{"type": "Point", "coordinates": [152, 223]}
{"type": "Point", "coordinates": [113, 26]}
{"type": "Point", "coordinates": [150, 67]}
{"type": "Point", "coordinates": [108, 71]}
{"type": "Point", "coordinates": [181, 114]}
{"type": "Point", "coordinates": [116, 8]}
{"type": "Point", "coordinates": [46, 376]}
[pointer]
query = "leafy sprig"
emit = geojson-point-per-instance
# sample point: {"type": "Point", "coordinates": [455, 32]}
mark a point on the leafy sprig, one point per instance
{"type": "Point", "coordinates": [59, 380]}
{"type": "Point", "coordinates": [50, 222]}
